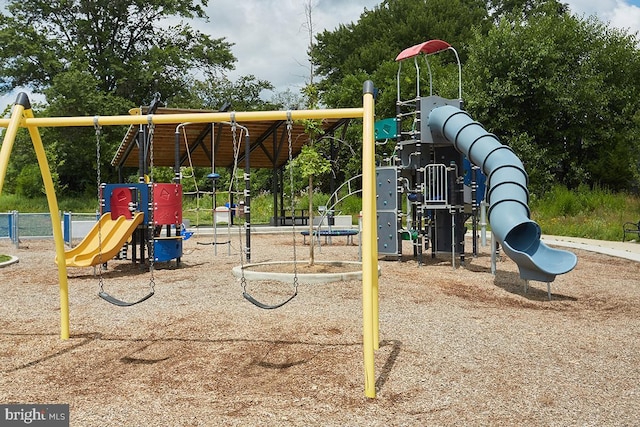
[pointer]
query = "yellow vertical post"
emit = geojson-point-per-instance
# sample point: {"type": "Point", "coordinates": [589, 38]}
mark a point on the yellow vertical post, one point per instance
{"type": "Point", "coordinates": [9, 138]}
{"type": "Point", "coordinates": [22, 109]}
{"type": "Point", "coordinates": [370, 250]}
{"type": "Point", "coordinates": [55, 221]}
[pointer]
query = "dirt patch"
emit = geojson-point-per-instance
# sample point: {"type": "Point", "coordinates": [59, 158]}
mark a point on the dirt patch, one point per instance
{"type": "Point", "coordinates": [458, 346]}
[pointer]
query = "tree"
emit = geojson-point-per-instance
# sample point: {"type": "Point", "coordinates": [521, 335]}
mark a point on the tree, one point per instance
{"type": "Point", "coordinates": [564, 93]}
{"type": "Point", "coordinates": [75, 147]}
{"type": "Point", "coordinates": [366, 50]}
{"type": "Point", "coordinates": [385, 31]}
{"type": "Point", "coordinates": [310, 161]}
{"type": "Point", "coordinates": [91, 57]}
{"type": "Point", "coordinates": [131, 47]}
{"type": "Point", "coordinates": [524, 9]}
{"type": "Point", "coordinates": [241, 95]}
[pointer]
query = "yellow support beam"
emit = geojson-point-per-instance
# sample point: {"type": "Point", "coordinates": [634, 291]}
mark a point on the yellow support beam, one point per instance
{"type": "Point", "coordinates": [238, 116]}
{"type": "Point", "coordinates": [20, 114]}
{"type": "Point", "coordinates": [55, 221]}
{"type": "Point", "coordinates": [13, 124]}
{"type": "Point", "coordinates": [369, 245]}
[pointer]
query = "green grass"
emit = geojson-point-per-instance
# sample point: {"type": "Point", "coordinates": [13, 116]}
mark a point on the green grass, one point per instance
{"type": "Point", "coordinates": [4, 258]}
{"type": "Point", "coordinates": [593, 214]}
{"type": "Point", "coordinates": [12, 202]}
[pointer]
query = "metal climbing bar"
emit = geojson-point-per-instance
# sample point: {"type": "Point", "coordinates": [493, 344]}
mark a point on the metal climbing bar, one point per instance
{"type": "Point", "coordinates": [436, 185]}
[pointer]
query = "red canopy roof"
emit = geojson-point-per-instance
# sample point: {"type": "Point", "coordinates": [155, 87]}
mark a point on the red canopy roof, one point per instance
{"type": "Point", "coordinates": [428, 48]}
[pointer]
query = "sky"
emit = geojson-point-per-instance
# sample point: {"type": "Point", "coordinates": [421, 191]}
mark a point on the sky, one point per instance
{"type": "Point", "coordinates": [270, 37]}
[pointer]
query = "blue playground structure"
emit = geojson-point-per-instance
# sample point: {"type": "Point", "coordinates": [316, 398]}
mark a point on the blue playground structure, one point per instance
{"type": "Point", "coordinates": [447, 166]}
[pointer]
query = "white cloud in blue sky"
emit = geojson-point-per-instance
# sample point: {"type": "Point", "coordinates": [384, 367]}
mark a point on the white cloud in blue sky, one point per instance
{"type": "Point", "coordinates": [270, 36]}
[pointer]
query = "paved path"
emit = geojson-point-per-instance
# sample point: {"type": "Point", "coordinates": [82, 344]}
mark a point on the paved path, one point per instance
{"type": "Point", "coordinates": [627, 250]}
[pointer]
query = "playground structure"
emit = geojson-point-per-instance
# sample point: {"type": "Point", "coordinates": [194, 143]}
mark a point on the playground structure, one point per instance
{"type": "Point", "coordinates": [431, 134]}
{"type": "Point", "coordinates": [439, 164]}
{"type": "Point", "coordinates": [126, 216]}
{"type": "Point", "coordinates": [22, 117]}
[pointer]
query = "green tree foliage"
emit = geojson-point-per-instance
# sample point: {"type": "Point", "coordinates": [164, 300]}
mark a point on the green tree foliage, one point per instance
{"type": "Point", "coordinates": [132, 48]}
{"type": "Point", "coordinates": [390, 27]}
{"type": "Point", "coordinates": [241, 95]}
{"type": "Point", "coordinates": [564, 92]}
{"type": "Point", "coordinates": [75, 147]}
{"type": "Point", "coordinates": [367, 49]}
{"type": "Point", "coordinates": [91, 57]}
{"type": "Point", "coordinates": [524, 9]}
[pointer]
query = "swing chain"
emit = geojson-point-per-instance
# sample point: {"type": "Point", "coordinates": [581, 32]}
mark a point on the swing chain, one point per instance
{"type": "Point", "coordinates": [151, 239]}
{"type": "Point", "coordinates": [293, 216]}
{"type": "Point", "coordinates": [243, 280]}
{"type": "Point", "coordinates": [98, 131]}
{"type": "Point", "coordinates": [233, 182]}
{"type": "Point", "coordinates": [102, 294]}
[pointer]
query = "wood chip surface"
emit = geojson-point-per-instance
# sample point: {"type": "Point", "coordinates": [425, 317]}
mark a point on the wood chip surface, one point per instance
{"type": "Point", "coordinates": [458, 346]}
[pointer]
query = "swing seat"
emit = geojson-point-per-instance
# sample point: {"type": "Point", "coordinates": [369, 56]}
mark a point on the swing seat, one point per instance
{"type": "Point", "coordinates": [115, 301]}
{"type": "Point", "coordinates": [264, 306]}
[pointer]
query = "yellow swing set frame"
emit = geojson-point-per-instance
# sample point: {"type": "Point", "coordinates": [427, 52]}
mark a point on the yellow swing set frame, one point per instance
{"type": "Point", "coordinates": [22, 117]}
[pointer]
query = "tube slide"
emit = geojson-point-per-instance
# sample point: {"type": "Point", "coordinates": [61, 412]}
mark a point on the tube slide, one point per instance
{"type": "Point", "coordinates": [108, 235]}
{"type": "Point", "coordinates": [507, 195]}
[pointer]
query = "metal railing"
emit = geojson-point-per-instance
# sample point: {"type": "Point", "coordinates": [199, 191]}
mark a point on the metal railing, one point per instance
{"type": "Point", "coordinates": [436, 185]}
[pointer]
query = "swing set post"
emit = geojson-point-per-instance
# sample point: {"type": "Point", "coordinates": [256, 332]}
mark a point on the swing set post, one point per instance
{"type": "Point", "coordinates": [22, 110]}
{"type": "Point", "coordinates": [370, 253]}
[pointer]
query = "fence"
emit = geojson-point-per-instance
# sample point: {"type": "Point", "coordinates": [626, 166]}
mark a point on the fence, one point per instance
{"type": "Point", "coordinates": [16, 225]}
{"type": "Point", "coordinates": [25, 224]}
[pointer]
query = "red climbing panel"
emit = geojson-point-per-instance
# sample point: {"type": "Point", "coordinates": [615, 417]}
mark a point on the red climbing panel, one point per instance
{"type": "Point", "coordinates": [120, 201]}
{"type": "Point", "coordinates": [167, 204]}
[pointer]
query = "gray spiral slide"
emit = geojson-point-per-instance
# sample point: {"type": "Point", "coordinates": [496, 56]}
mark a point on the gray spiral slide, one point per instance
{"type": "Point", "coordinates": [507, 195]}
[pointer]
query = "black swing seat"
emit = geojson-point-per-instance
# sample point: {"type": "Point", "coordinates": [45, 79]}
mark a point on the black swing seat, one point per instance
{"type": "Point", "coordinates": [115, 301]}
{"type": "Point", "coordinates": [264, 306]}
{"type": "Point", "coordinates": [214, 243]}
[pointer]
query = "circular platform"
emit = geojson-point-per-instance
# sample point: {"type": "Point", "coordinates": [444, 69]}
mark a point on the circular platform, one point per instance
{"type": "Point", "coordinates": [341, 270]}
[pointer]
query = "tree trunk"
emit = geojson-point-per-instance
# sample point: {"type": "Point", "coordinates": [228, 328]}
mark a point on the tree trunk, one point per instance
{"type": "Point", "coordinates": [311, 236]}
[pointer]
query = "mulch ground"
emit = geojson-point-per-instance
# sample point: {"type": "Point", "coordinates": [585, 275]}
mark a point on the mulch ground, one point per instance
{"type": "Point", "coordinates": [458, 346]}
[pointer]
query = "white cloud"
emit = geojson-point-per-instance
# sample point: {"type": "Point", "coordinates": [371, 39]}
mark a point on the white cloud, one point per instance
{"type": "Point", "coordinates": [271, 38]}
{"type": "Point", "coordinates": [590, 7]}
{"type": "Point", "coordinates": [620, 14]}
{"type": "Point", "coordinates": [626, 17]}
